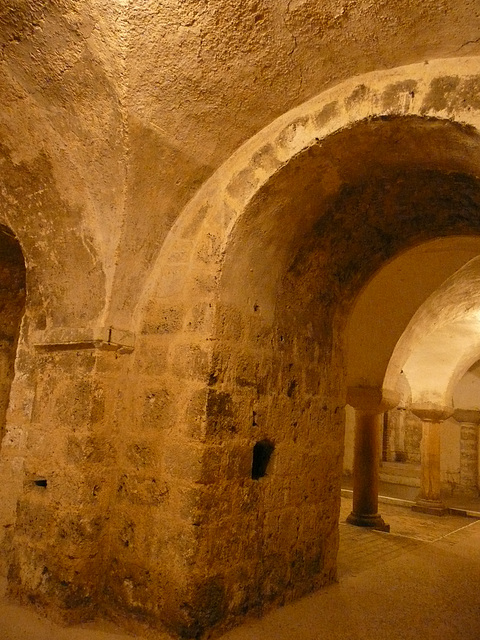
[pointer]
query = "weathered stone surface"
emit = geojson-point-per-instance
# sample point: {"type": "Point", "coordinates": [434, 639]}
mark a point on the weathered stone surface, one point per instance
{"type": "Point", "coordinates": [192, 196]}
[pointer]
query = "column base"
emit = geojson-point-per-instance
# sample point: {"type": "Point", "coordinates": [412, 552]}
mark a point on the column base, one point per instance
{"type": "Point", "coordinates": [432, 507]}
{"type": "Point", "coordinates": [371, 521]}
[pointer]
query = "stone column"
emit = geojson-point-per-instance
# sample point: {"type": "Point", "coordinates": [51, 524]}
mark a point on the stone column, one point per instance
{"type": "Point", "coordinates": [369, 403]}
{"type": "Point", "coordinates": [469, 420]}
{"type": "Point", "coordinates": [396, 435]}
{"type": "Point", "coordinates": [429, 499]}
{"type": "Point", "coordinates": [400, 455]}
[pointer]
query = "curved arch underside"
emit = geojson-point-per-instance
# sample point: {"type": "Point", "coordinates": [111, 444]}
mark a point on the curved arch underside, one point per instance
{"type": "Point", "coordinates": [445, 90]}
{"type": "Point", "coordinates": [387, 304]}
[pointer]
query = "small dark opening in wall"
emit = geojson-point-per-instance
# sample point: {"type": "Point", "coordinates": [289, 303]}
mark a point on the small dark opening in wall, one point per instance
{"type": "Point", "coordinates": [262, 452]}
{"type": "Point", "coordinates": [40, 483]}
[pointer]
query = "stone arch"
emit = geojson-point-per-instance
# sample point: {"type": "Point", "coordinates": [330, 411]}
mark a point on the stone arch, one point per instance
{"type": "Point", "coordinates": [387, 303]}
{"type": "Point", "coordinates": [437, 348]}
{"type": "Point", "coordinates": [242, 325]}
{"type": "Point", "coordinates": [381, 313]}
{"type": "Point", "coordinates": [442, 89]}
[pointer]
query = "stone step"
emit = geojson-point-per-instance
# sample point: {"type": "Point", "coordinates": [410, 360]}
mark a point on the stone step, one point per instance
{"type": "Point", "coordinates": [400, 473]}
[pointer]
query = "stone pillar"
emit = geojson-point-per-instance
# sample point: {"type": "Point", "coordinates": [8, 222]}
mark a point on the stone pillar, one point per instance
{"type": "Point", "coordinates": [400, 455]}
{"type": "Point", "coordinates": [469, 420]}
{"type": "Point", "coordinates": [369, 403]}
{"type": "Point", "coordinates": [396, 435]}
{"type": "Point", "coordinates": [60, 541]}
{"type": "Point", "coordinates": [429, 499]}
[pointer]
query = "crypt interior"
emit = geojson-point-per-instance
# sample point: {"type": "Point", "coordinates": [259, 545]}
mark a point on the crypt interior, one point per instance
{"type": "Point", "coordinates": [239, 262]}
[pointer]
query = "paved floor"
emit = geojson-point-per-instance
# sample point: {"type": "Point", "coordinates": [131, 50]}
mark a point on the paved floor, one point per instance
{"type": "Point", "coordinates": [421, 580]}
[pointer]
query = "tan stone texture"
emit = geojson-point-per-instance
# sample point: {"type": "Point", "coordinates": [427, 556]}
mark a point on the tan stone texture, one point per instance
{"type": "Point", "coordinates": [192, 197]}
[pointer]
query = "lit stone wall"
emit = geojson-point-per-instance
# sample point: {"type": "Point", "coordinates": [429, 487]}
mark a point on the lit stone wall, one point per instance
{"type": "Point", "coordinates": [256, 354]}
{"type": "Point", "coordinates": [159, 487]}
{"type": "Point", "coordinates": [127, 476]}
{"type": "Point", "coordinates": [188, 516]}
{"type": "Point", "coordinates": [70, 454]}
{"type": "Point", "coordinates": [279, 535]}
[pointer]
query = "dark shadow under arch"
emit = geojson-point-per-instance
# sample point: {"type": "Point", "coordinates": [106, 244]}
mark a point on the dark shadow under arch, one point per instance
{"type": "Point", "coordinates": [12, 305]}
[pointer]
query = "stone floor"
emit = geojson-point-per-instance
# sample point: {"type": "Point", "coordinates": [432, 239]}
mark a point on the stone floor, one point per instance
{"type": "Point", "coordinates": [421, 580]}
{"type": "Point", "coordinates": [405, 495]}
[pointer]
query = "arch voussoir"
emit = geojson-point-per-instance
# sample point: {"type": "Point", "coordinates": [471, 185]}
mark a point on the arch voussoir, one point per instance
{"type": "Point", "coordinates": [425, 90]}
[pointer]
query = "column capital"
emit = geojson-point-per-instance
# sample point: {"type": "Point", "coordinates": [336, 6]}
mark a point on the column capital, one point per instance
{"type": "Point", "coordinates": [471, 416]}
{"type": "Point", "coordinates": [431, 412]}
{"type": "Point", "coordinates": [372, 399]}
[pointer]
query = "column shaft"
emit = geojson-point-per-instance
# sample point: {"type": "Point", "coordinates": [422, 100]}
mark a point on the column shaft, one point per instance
{"type": "Point", "coordinates": [400, 455]}
{"type": "Point", "coordinates": [469, 457]}
{"type": "Point", "coordinates": [429, 499]}
{"type": "Point", "coordinates": [366, 471]}
{"type": "Point", "coordinates": [430, 456]}
{"type": "Point", "coordinates": [469, 419]}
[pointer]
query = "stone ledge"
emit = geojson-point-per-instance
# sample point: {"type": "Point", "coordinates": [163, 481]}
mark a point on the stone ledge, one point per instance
{"type": "Point", "coordinates": [63, 338]}
{"type": "Point", "coordinates": [404, 480]}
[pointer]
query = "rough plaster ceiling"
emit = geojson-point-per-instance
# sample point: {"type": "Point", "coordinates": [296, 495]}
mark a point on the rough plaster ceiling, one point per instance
{"type": "Point", "coordinates": [170, 90]}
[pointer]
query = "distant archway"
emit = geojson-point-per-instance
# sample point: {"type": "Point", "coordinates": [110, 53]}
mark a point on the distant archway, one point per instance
{"type": "Point", "coordinates": [442, 340]}
{"type": "Point", "coordinates": [381, 313]}
{"type": "Point", "coordinates": [386, 305]}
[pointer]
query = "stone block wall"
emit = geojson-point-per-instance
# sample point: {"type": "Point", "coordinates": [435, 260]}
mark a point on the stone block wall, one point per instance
{"type": "Point", "coordinates": [153, 532]}
{"type": "Point", "coordinates": [138, 488]}
{"type": "Point", "coordinates": [69, 455]}
{"type": "Point", "coordinates": [196, 541]}
{"type": "Point", "coordinates": [273, 538]}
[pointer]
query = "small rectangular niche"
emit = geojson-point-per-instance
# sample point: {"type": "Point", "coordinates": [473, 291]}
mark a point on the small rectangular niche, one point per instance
{"type": "Point", "coordinates": [262, 452]}
{"type": "Point", "coordinates": [40, 482]}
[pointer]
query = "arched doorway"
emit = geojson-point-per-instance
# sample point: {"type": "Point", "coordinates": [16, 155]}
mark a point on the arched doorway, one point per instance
{"type": "Point", "coordinates": [382, 346]}
{"type": "Point", "coordinates": [437, 349]}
